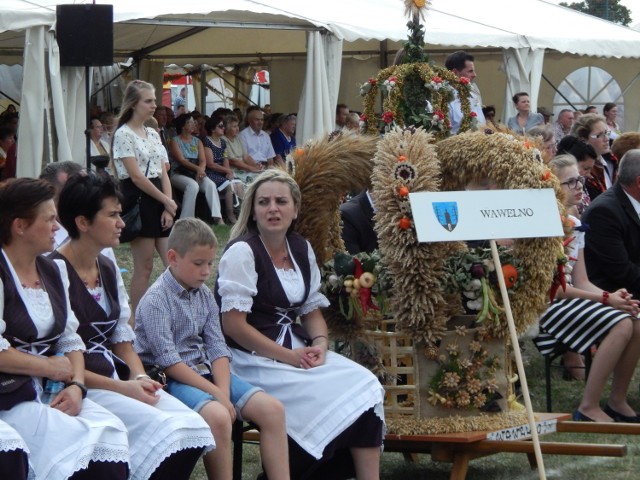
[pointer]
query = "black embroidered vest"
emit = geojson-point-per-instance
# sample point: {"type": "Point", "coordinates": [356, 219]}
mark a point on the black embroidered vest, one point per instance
{"type": "Point", "coordinates": [96, 328]}
{"type": "Point", "coordinates": [271, 307]}
{"type": "Point", "coordinates": [21, 331]}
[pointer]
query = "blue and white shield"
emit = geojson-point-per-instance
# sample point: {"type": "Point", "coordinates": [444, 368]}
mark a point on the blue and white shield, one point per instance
{"type": "Point", "coordinates": [447, 214]}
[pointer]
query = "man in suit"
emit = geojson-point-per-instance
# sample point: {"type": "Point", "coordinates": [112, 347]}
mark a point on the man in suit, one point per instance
{"type": "Point", "coordinates": [612, 249]}
{"type": "Point", "coordinates": [357, 224]}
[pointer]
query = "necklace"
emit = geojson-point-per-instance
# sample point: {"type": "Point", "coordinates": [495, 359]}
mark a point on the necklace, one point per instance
{"type": "Point", "coordinates": [275, 261]}
{"type": "Point", "coordinates": [97, 291]}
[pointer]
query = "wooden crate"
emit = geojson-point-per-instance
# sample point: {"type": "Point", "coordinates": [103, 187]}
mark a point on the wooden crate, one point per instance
{"type": "Point", "coordinates": [401, 364]}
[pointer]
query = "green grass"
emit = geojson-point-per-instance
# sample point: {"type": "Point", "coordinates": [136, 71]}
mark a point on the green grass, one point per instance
{"type": "Point", "coordinates": [505, 466]}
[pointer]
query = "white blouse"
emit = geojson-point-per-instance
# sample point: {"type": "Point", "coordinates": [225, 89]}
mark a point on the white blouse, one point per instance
{"type": "Point", "coordinates": [39, 308]}
{"type": "Point", "coordinates": [126, 143]}
{"type": "Point", "coordinates": [238, 281]}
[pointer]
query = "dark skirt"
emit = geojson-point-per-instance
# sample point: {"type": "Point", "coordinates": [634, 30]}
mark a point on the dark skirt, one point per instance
{"type": "Point", "coordinates": [150, 209]}
{"type": "Point", "coordinates": [575, 324]}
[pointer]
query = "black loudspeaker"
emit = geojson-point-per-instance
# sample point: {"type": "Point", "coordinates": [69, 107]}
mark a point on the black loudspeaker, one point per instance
{"type": "Point", "coordinates": [85, 35]}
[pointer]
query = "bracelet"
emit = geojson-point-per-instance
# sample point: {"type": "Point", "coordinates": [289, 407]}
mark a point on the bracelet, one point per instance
{"type": "Point", "coordinates": [605, 297]}
{"type": "Point", "coordinates": [80, 385]}
{"type": "Point", "coordinates": [319, 336]}
{"type": "Point", "coordinates": [143, 376]}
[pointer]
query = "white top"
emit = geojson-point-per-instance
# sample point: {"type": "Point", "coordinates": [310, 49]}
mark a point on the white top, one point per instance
{"type": "Point", "coordinates": [455, 110]}
{"type": "Point", "coordinates": [257, 145]}
{"type": "Point", "coordinates": [238, 279]}
{"type": "Point", "coordinates": [39, 307]}
{"type": "Point", "coordinates": [127, 143]}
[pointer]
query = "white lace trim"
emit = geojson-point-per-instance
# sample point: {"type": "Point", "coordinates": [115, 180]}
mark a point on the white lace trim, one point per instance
{"type": "Point", "coordinates": [236, 302]}
{"type": "Point", "coordinates": [70, 343]}
{"type": "Point", "coordinates": [8, 445]}
{"type": "Point", "coordinates": [102, 453]}
{"type": "Point", "coordinates": [171, 445]}
{"type": "Point", "coordinates": [123, 333]}
{"type": "Point", "coordinates": [4, 344]}
{"type": "Point", "coordinates": [316, 300]}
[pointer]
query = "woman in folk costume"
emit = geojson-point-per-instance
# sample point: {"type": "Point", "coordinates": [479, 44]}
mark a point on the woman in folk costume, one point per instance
{"type": "Point", "coordinates": [171, 438]}
{"type": "Point", "coordinates": [268, 276]}
{"type": "Point", "coordinates": [72, 437]}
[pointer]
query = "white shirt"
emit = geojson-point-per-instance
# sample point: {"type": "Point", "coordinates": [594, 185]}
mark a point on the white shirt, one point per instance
{"type": "Point", "coordinates": [257, 145]}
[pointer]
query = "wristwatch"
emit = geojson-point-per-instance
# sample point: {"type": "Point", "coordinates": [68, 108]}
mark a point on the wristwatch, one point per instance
{"type": "Point", "coordinates": [81, 386]}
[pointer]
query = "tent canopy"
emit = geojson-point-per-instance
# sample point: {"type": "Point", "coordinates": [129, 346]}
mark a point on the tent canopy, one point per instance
{"type": "Point", "coordinates": [243, 31]}
{"type": "Point", "coordinates": [249, 28]}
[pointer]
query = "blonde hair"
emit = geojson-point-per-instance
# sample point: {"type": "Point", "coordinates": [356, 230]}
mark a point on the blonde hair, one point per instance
{"type": "Point", "coordinates": [560, 162]}
{"type": "Point", "coordinates": [131, 97]}
{"type": "Point", "coordinates": [191, 232]}
{"type": "Point", "coordinates": [246, 222]}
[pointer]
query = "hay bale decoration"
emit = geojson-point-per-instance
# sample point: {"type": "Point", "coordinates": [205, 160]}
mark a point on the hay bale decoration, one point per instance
{"type": "Point", "coordinates": [405, 162]}
{"type": "Point", "coordinates": [512, 163]}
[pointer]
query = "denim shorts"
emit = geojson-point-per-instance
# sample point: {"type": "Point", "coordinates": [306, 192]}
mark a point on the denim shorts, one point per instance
{"type": "Point", "coordinates": [195, 399]}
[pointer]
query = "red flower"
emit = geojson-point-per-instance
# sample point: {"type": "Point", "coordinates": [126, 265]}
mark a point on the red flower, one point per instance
{"type": "Point", "coordinates": [372, 81]}
{"type": "Point", "coordinates": [473, 114]}
{"type": "Point", "coordinates": [436, 80]}
{"type": "Point", "coordinates": [393, 78]}
{"type": "Point", "coordinates": [387, 117]}
{"type": "Point", "coordinates": [363, 118]}
{"type": "Point", "coordinates": [439, 114]}
{"type": "Point", "coordinates": [464, 80]}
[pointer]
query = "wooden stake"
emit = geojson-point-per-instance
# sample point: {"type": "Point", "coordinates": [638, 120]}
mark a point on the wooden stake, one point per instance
{"type": "Point", "coordinates": [516, 350]}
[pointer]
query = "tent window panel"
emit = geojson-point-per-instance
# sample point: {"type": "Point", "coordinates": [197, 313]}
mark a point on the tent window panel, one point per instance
{"type": "Point", "coordinates": [589, 86]}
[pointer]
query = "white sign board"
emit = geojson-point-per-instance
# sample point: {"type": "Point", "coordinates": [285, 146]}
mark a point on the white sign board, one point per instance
{"type": "Point", "coordinates": [485, 215]}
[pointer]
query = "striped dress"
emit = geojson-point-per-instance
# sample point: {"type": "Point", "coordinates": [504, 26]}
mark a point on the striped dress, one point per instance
{"type": "Point", "coordinates": [575, 323]}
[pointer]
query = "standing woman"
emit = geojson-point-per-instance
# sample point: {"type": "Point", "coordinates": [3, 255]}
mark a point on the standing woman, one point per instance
{"type": "Point", "coordinates": [584, 315]}
{"type": "Point", "coordinates": [218, 168]}
{"type": "Point", "coordinates": [167, 445]}
{"type": "Point", "coordinates": [268, 276]}
{"type": "Point", "coordinates": [139, 158]}
{"type": "Point", "coordinates": [610, 112]}
{"type": "Point", "coordinates": [72, 437]}
{"type": "Point", "coordinates": [189, 164]}
{"type": "Point", "coordinates": [524, 120]}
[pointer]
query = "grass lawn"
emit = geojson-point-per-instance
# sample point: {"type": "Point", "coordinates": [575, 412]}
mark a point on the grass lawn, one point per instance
{"type": "Point", "coordinates": [505, 466]}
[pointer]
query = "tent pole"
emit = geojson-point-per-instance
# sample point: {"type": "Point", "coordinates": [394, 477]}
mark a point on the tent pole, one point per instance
{"type": "Point", "coordinates": [87, 117]}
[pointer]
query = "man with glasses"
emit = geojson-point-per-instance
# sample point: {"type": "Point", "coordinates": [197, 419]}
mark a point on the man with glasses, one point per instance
{"type": "Point", "coordinates": [612, 249]}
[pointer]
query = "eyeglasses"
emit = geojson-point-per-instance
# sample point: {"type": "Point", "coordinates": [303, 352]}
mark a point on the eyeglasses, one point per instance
{"type": "Point", "coordinates": [220, 125]}
{"type": "Point", "coordinates": [573, 182]}
{"type": "Point", "coordinates": [600, 135]}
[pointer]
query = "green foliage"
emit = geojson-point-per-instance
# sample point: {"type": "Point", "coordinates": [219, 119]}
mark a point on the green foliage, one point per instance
{"type": "Point", "coordinates": [611, 10]}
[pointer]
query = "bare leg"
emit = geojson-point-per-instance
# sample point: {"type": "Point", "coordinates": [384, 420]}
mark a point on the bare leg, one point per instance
{"type": "Point", "coordinates": [574, 365]}
{"type": "Point", "coordinates": [367, 463]}
{"type": "Point", "coordinates": [162, 245]}
{"type": "Point", "coordinates": [228, 205]}
{"type": "Point", "coordinates": [218, 462]}
{"type": "Point", "coordinates": [609, 354]}
{"type": "Point", "coordinates": [623, 373]}
{"type": "Point", "coordinates": [268, 413]}
{"type": "Point", "coordinates": [142, 251]}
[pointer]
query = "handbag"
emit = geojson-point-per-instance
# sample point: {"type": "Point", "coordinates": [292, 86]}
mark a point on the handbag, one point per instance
{"type": "Point", "coordinates": [132, 223]}
{"type": "Point", "coordinates": [131, 218]}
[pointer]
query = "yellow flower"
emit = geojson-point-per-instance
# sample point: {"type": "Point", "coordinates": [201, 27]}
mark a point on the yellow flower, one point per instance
{"type": "Point", "coordinates": [419, 3]}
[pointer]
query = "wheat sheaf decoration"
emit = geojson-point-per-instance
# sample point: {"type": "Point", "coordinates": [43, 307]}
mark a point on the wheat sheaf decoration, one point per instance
{"type": "Point", "coordinates": [405, 162]}
{"type": "Point", "coordinates": [325, 169]}
{"type": "Point", "coordinates": [509, 162]}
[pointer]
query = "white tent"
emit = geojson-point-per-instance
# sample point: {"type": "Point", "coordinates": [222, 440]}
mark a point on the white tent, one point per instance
{"type": "Point", "coordinates": [213, 31]}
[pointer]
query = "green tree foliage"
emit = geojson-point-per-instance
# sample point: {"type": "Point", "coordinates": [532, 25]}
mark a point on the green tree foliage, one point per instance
{"type": "Point", "coordinates": [611, 10]}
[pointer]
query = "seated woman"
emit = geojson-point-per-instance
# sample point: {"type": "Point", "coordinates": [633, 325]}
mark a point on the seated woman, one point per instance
{"type": "Point", "coordinates": [14, 464]}
{"type": "Point", "coordinates": [218, 169]}
{"type": "Point", "coordinates": [244, 167]}
{"type": "Point", "coordinates": [268, 276]}
{"type": "Point", "coordinates": [188, 171]}
{"type": "Point", "coordinates": [73, 437]}
{"type": "Point", "coordinates": [169, 442]}
{"type": "Point", "coordinates": [586, 157]}
{"type": "Point", "coordinates": [584, 315]}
